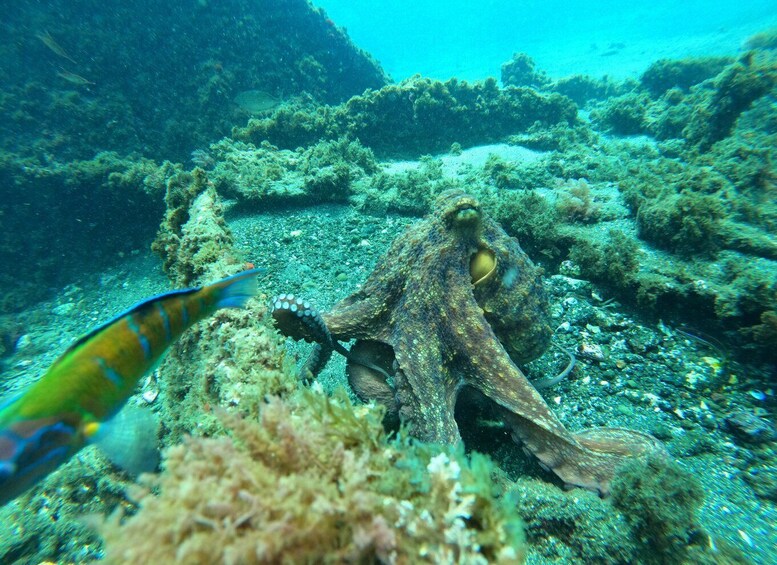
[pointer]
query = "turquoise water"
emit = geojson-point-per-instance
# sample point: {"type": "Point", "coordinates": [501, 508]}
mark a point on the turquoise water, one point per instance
{"type": "Point", "coordinates": [628, 148]}
{"type": "Point", "coordinates": [470, 40]}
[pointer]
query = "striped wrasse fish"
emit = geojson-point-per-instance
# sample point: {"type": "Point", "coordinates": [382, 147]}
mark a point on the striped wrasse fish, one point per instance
{"type": "Point", "coordinates": [81, 395]}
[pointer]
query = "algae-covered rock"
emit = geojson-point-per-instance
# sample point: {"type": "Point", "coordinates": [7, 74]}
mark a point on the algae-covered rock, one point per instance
{"type": "Point", "coordinates": [683, 73]}
{"type": "Point", "coordinates": [521, 71]}
{"type": "Point", "coordinates": [194, 241]}
{"type": "Point", "coordinates": [163, 86]}
{"type": "Point", "coordinates": [734, 90]}
{"type": "Point", "coordinates": [766, 39]}
{"type": "Point", "coordinates": [583, 88]}
{"type": "Point", "coordinates": [58, 216]}
{"type": "Point", "coordinates": [660, 500]}
{"type": "Point", "coordinates": [687, 223]}
{"type": "Point", "coordinates": [623, 115]}
{"type": "Point", "coordinates": [411, 191]}
{"type": "Point", "coordinates": [234, 361]}
{"type": "Point", "coordinates": [515, 175]}
{"type": "Point", "coordinates": [417, 116]}
{"type": "Point", "coordinates": [574, 526]}
{"type": "Point", "coordinates": [532, 219]}
{"type": "Point", "coordinates": [324, 172]}
{"type": "Point", "coordinates": [613, 263]}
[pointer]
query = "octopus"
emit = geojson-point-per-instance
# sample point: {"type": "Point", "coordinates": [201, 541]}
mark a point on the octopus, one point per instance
{"type": "Point", "coordinates": [454, 307]}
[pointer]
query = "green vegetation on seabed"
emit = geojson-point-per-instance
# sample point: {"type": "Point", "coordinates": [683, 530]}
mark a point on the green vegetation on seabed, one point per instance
{"type": "Point", "coordinates": [678, 220]}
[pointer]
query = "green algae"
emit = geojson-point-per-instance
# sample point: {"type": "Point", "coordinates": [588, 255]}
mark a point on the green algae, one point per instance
{"type": "Point", "coordinates": [666, 74]}
{"type": "Point", "coordinates": [417, 116]}
{"type": "Point", "coordinates": [322, 471]}
{"type": "Point", "coordinates": [660, 500]}
{"type": "Point", "coordinates": [165, 101]}
{"type": "Point", "coordinates": [680, 232]}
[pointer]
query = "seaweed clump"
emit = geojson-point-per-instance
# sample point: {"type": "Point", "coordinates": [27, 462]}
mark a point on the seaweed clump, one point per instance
{"type": "Point", "coordinates": [660, 501]}
{"type": "Point", "coordinates": [530, 218]}
{"type": "Point", "coordinates": [325, 172]}
{"type": "Point", "coordinates": [623, 115]}
{"type": "Point", "coordinates": [688, 223]}
{"type": "Point", "coordinates": [735, 90]}
{"type": "Point", "coordinates": [521, 71]}
{"type": "Point", "coordinates": [613, 263]}
{"type": "Point", "coordinates": [316, 480]}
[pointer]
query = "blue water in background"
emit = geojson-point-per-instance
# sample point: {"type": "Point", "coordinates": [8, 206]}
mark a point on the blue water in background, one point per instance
{"type": "Point", "coordinates": [470, 39]}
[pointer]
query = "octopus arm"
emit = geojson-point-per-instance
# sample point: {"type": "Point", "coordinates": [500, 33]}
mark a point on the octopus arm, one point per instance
{"type": "Point", "coordinates": [587, 459]}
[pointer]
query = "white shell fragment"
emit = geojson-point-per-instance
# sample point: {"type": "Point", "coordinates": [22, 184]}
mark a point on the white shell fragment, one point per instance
{"type": "Point", "coordinates": [149, 396]}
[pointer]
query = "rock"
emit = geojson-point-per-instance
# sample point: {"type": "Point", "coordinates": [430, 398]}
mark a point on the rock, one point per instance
{"type": "Point", "coordinates": [763, 481]}
{"type": "Point", "coordinates": [590, 351]}
{"type": "Point", "coordinates": [641, 340]}
{"type": "Point", "coordinates": [64, 309]}
{"type": "Point", "coordinates": [750, 428]}
{"type": "Point", "coordinates": [23, 342]}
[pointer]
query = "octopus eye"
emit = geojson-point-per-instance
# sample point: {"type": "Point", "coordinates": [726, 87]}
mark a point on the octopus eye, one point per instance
{"type": "Point", "coordinates": [482, 265]}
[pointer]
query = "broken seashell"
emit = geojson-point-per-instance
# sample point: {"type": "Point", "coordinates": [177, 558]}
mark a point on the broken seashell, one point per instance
{"type": "Point", "coordinates": [149, 396]}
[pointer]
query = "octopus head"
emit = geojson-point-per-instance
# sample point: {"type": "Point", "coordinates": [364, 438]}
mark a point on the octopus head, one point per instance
{"type": "Point", "coordinates": [505, 283]}
{"type": "Point", "coordinates": [459, 210]}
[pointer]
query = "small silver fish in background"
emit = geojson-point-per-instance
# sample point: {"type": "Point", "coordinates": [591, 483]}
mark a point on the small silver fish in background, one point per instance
{"type": "Point", "coordinates": [256, 101]}
{"type": "Point", "coordinates": [55, 47]}
{"type": "Point", "coordinates": [73, 78]}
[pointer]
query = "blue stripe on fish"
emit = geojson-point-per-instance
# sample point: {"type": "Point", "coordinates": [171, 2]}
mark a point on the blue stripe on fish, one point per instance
{"type": "Point", "coordinates": [143, 340]}
{"type": "Point", "coordinates": [54, 457]}
{"type": "Point", "coordinates": [110, 373]}
{"type": "Point", "coordinates": [165, 320]}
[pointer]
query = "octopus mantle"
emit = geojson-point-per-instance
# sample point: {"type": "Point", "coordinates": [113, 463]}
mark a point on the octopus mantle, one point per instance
{"type": "Point", "coordinates": [453, 306]}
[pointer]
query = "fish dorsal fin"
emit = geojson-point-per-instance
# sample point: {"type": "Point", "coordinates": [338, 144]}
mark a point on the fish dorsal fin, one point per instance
{"type": "Point", "coordinates": [93, 332]}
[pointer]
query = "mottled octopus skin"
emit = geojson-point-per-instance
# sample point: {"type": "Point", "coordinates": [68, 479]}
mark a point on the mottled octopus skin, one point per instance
{"type": "Point", "coordinates": [447, 333]}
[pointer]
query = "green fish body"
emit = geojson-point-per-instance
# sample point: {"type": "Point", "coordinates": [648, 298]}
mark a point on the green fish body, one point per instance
{"type": "Point", "coordinates": [87, 386]}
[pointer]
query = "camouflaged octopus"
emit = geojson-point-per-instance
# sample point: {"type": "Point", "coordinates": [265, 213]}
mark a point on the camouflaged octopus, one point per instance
{"type": "Point", "coordinates": [454, 305]}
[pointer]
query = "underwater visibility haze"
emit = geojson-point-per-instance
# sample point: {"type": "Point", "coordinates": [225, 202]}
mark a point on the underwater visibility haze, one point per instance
{"type": "Point", "coordinates": [413, 282]}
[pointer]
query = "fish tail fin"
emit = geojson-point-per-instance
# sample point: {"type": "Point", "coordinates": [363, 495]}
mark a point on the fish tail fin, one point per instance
{"type": "Point", "coordinates": [234, 291]}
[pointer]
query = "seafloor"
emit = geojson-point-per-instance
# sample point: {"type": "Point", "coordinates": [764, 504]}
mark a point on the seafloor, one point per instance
{"type": "Point", "coordinates": [649, 203]}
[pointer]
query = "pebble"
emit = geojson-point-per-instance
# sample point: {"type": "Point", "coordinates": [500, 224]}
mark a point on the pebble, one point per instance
{"type": "Point", "coordinates": [23, 342]}
{"type": "Point", "coordinates": [641, 340]}
{"type": "Point", "coordinates": [64, 309]}
{"type": "Point", "coordinates": [757, 394]}
{"type": "Point", "coordinates": [149, 396]}
{"type": "Point", "coordinates": [590, 351]}
{"type": "Point", "coordinates": [569, 269]}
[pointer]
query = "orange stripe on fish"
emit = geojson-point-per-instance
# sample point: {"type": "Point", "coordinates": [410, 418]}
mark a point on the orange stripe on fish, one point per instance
{"type": "Point", "coordinates": [94, 377]}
